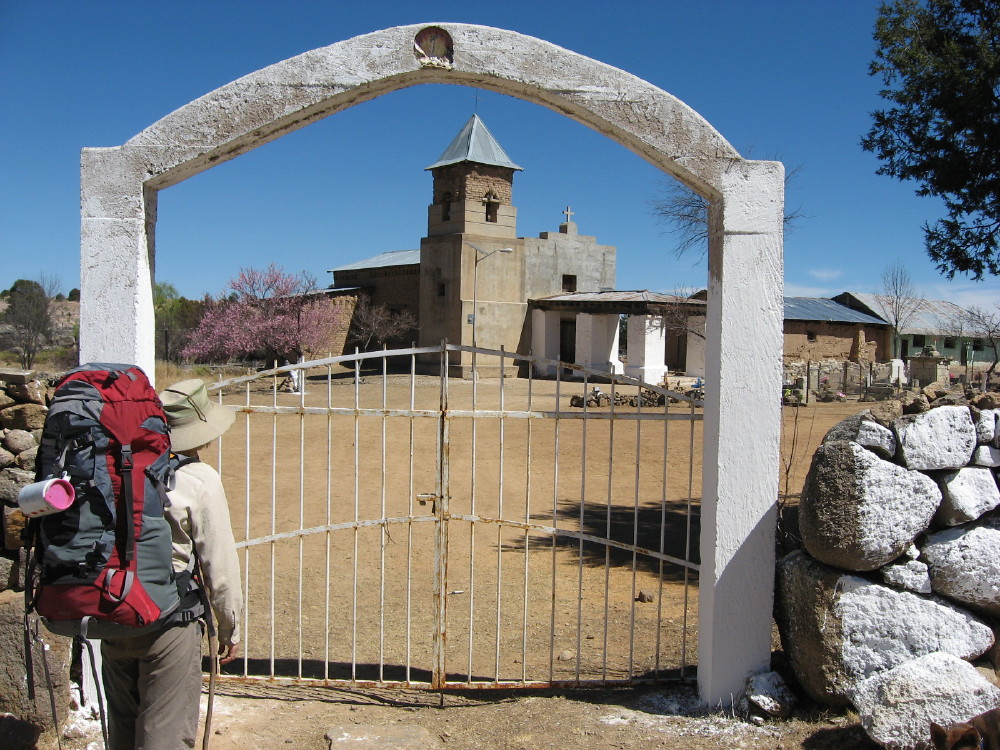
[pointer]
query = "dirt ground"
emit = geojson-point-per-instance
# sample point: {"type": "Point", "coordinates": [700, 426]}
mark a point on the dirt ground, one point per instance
{"type": "Point", "coordinates": [525, 602]}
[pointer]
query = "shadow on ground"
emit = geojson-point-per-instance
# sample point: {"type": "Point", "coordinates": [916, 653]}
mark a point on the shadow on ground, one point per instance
{"type": "Point", "coordinates": [650, 528]}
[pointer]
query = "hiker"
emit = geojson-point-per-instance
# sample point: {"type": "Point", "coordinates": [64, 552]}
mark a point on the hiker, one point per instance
{"type": "Point", "coordinates": [153, 682]}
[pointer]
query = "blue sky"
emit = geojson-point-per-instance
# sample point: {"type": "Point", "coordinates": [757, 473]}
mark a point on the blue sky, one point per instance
{"type": "Point", "coordinates": [784, 80]}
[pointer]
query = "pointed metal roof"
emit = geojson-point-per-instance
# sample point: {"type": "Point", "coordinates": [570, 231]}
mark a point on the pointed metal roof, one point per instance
{"type": "Point", "coordinates": [476, 143]}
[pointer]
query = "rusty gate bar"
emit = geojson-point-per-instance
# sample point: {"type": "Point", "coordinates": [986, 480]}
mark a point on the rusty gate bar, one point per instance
{"type": "Point", "coordinates": [441, 529]}
{"type": "Point", "coordinates": [394, 649]}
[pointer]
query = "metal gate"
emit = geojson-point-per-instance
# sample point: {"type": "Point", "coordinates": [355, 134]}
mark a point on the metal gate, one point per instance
{"type": "Point", "coordinates": [406, 529]}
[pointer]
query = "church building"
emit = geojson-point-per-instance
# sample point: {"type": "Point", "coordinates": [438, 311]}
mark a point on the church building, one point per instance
{"type": "Point", "coordinates": [473, 277]}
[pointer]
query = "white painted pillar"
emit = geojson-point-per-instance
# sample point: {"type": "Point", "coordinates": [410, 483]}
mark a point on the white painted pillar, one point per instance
{"type": "Point", "coordinates": [116, 261]}
{"type": "Point", "coordinates": [584, 340]}
{"type": "Point", "coordinates": [597, 342]}
{"type": "Point", "coordinates": [646, 348]}
{"type": "Point", "coordinates": [742, 429]}
{"type": "Point", "coordinates": [612, 334]}
{"type": "Point", "coordinates": [545, 339]}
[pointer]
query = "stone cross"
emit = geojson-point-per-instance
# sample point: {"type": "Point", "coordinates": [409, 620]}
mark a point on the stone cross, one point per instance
{"type": "Point", "coordinates": [569, 215]}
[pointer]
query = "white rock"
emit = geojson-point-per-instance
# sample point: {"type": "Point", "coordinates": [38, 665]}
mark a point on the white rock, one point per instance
{"type": "Point", "coordinates": [912, 576]}
{"type": "Point", "coordinates": [860, 512]}
{"type": "Point", "coordinates": [840, 629]}
{"type": "Point", "coordinates": [877, 438]}
{"type": "Point", "coordinates": [883, 627]}
{"type": "Point", "coordinates": [768, 692]}
{"type": "Point", "coordinates": [986, 455]}
{"type": "Point", "coordinates": [986, 426]}
{"type": "Point", "coordinates": [863, 430]}
{"type": "Point", "coordinates": [942, 438]}
{"type": "Point", "coordinates": [897, 707]}
{"type": "Point", "coordinates": [965, 564]}
{"type": "Point", "coordinates": [966, 495]}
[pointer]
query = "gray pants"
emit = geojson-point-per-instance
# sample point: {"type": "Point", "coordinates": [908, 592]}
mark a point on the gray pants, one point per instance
{"type": "Point", "coordinates": [153, 685]}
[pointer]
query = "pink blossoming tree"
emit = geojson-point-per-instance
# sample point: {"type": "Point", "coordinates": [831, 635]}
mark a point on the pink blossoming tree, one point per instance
{"type": "Point", "coordinates": [269, 314]}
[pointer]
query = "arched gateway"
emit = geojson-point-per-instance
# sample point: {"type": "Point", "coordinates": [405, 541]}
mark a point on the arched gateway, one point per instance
{"type": "Point", "coordinates": [742, 413]}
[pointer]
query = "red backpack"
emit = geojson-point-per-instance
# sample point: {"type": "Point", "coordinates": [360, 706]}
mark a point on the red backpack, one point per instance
{"type": "Point", "coordinates": [104, 564]}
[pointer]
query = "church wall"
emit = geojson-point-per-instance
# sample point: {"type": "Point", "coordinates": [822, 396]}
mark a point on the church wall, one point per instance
{"type": "Point", "coordinates": [440, 303]}
{"type": "Point", "coordinates": [470, 217]}
{"type": "Point", "coordinates": [395, 287]}
{"type": "Point", "coordinates": [554, 255]}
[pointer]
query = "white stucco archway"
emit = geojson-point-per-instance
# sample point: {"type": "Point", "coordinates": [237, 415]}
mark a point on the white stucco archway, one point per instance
{"type": "Point", "coordinates": [119, 186]}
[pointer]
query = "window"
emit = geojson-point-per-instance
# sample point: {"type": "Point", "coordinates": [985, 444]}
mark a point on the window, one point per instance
{"type": "Point", "coordinates": [446, 207]}
{"type": "Point", "coordinates": [811, 336]}
{"type": "Point", "coordinates": [949, 343]}
{"type": "Point", "coordinates": [492, 202]}
{"type": "Point", "coordinates": [919, 340]}
{"type": "Point", "coordinates": [977, 345]}
{"type": "Point", "coordinates": [569, 282]}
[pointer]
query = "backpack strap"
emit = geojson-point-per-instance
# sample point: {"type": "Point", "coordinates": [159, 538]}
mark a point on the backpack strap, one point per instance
{"type": "Point", "coordinates": [190, 583]}
{"type": "Point", "coordinates": [125, 469]}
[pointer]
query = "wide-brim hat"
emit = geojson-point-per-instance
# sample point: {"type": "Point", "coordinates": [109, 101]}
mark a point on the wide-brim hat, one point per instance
{"type": "Point", "coordinates": [193, 417]}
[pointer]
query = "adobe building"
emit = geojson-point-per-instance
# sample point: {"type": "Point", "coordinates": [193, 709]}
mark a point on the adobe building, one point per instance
{"type": "Point", "coordinates": [472, 279]}
{"type": "Point", "coordinates": [818, 329]}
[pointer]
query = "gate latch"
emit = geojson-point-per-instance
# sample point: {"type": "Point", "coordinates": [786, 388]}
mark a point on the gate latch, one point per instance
{"type": "Point", "coordinates": [424, 497]}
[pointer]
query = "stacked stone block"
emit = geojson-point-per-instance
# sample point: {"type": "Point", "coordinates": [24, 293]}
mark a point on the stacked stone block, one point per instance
{"type": "Point", "coordinates": [23, 405]}
{"type": "Point", "coordinates": [896, 588]}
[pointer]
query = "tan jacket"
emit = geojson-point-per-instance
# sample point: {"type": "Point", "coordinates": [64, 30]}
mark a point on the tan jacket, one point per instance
{"type": "Point", "coordinates": [199, 513]}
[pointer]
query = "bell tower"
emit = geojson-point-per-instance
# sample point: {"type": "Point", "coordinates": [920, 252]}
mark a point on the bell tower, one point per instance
{"type": "Point", "coordinates": [473, 186]}
{"type": "Point", "coordinates": [472, 261]}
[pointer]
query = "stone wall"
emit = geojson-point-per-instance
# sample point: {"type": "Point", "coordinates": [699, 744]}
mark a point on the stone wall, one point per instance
{"type": "Point", "coordinates": [23, 406]}
{"type": "Point", "coordinates": [895, 590]}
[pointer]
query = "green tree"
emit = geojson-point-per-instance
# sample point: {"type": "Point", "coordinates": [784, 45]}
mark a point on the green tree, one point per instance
{"type": "Point", "coordinates": [176, 318]}
{"type": "Point", "coordinates": [939, 61]}
{"type": "Point", "coordinates": [29, 314]}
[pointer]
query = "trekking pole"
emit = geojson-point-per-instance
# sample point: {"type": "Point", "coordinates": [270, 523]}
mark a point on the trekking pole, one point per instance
{"type": "Point", "coordinates": [36, 638]}
{"type": "Point", "coordinates": [82, 637]}
{"type": "Point", "coordinates": [213, 650]}
{"type": "Point", "coordinates": [213, 647]}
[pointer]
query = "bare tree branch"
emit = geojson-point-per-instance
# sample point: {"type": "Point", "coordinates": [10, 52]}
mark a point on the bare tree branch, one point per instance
{"type": "Point", "coordinates": [985, 324]}
{"type": "Point", "coordinates": [377, 324]}
{"type": "Point", "coordinates": [686, 215]}
{"type": "Point", "coordinates": [897, 301]}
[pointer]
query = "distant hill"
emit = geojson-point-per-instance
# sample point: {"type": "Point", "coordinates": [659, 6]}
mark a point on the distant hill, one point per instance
{"type": "Point", "coordinates": [65, 317]}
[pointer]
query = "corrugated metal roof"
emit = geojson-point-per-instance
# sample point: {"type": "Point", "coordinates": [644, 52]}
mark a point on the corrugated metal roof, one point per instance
{"type": "Point", "coordinates": [933, 317]}
{"type": "Point", "coordinates": [823, 309]}
{"type": "Point", "coordinates": [475, 142]}
{"type": "Point", "coordinates": [392, 258]}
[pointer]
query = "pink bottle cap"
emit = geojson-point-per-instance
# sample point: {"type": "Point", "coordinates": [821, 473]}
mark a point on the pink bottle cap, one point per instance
{"type": "Point", "coordinates": [59, 494]}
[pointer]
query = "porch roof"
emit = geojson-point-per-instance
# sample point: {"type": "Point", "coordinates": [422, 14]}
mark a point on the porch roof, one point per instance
{"type": "Point", "coordinates": [614, 302]}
